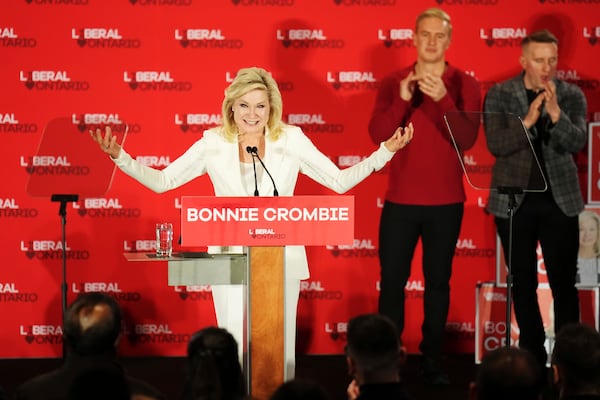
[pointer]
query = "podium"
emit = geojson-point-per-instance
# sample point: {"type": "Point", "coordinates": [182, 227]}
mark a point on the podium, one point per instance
{"type": "Point", "coordinates": [263, 226]}
{"type": "Point", "coordinates": [266, 225]}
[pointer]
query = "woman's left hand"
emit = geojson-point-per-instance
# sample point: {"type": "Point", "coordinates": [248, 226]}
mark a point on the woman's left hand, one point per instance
{"type": "Point", "coordinates": [399, 139]}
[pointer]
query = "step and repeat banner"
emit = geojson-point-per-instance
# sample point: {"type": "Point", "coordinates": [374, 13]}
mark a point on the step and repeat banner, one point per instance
{"type": "Point", "coordinates": [157, 69]}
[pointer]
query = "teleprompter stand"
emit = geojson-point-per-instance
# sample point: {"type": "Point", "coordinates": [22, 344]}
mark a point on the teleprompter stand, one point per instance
{"type": "Point", "coordinates": [63, 199]}
{"type": "Point", "coordinates": [69, 166]}
{"type": "Point", "coordinates": [512, 193]}
{"type": "Point", "coordinates": [503, 136]}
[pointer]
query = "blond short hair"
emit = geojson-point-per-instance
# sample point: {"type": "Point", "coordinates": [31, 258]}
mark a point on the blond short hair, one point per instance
{"type": "Point", "coordinates": [247, 80]}
{"type": "Point", "coordinates": [435, 12]}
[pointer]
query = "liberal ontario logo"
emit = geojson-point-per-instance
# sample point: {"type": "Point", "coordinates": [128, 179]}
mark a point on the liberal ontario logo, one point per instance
{"type": "Point", "coordinates": [10, 38]}
{"type": "Point", "coordinates": [51, 80]}
{"type": "Point", "coordinates": [206, 38]}
{"type": "Point", "coordinates": [307, 39]}
{"type": "Point", "coordinates": [502, 36]}
{"type": "Point", "coordinates": [103, 38]}
{"type": "Point", "coordinates": [155, 80]}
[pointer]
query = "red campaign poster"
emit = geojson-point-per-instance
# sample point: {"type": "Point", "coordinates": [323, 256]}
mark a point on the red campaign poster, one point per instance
{"type": "Point", "coordinates": [491, 324]}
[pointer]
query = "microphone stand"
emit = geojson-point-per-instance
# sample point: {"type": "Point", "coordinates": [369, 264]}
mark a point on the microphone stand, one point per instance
{"type": "Point", "coordinates": [254, 152]}
{"type": "Point", "coordinates": [512, 205]}
{"type": "Point", "coordinates": [62, 212]}
{"type": "Point", "coordinates": [251, 151]}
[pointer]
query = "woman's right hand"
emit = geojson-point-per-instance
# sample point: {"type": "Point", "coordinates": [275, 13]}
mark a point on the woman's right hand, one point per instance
{"type": "Point", "coordinates": [399, 139]}
{"type": "Point", "coordinates": [108, 142]}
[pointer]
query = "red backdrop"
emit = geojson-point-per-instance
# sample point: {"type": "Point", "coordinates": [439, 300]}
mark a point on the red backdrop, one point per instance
{"type": "Point", "coordinates": [162, 66]}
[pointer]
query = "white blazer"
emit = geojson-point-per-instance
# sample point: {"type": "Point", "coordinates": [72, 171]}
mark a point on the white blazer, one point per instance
{"type": "Point", "coordinates": [289, 155]}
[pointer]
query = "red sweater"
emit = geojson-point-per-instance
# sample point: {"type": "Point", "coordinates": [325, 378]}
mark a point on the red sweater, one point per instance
{"type": "Point", "coordinates": [427, 171]}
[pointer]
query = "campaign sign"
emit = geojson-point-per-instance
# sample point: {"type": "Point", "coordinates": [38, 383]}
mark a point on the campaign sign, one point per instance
{"type": "Point", "coordinates": [491, 313]}
{"type": "Point", "coordinates": [266, 221]}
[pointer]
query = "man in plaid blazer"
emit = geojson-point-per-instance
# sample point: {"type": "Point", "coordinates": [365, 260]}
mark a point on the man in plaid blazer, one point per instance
{"type": "Point", "coordinates": [553, 113]}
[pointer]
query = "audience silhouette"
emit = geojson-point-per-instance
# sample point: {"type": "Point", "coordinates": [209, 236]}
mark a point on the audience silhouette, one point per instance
{"type": "Point", "coordinates": [213, 367]}
{"type": "Point", "coordinates": [576, 362]}
{"type": "Point", "coordinates": [507, 373]}
{"type": "Point", "coordinates": [99, 384]}
{"type": "Point", "coordinates": [374, 355]}
{"type": "Point", "coordinates": [299, 389]}
{"type": "Point", "coordinates": [91, 333]}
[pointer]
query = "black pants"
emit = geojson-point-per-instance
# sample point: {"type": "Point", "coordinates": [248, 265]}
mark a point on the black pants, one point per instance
{"type": "Point", "coordinates": [539, 219]}
{"type": "Point", "coordinates": [400, 228]}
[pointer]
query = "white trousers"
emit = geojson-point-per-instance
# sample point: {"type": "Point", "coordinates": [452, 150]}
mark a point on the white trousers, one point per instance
{"type": "Point", "coordinates": [229, 309]}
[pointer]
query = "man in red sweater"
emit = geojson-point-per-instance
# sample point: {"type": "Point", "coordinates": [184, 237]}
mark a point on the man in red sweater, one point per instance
{"type": "Point", "coordinates": [425, 195]}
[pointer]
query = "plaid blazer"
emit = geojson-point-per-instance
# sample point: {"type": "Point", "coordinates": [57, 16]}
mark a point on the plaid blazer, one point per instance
{"type": "Point", "coordinates": [506, 141]}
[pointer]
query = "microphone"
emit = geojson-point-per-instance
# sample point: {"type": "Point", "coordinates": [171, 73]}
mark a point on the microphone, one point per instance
{"type": "Point", "coordinates": [250, 151]}
{"type": "Point", "coordinates": [254, 151]}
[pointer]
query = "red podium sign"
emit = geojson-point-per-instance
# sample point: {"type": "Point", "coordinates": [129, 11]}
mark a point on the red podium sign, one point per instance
{"type": "Point", "coordinates": [266, 221]}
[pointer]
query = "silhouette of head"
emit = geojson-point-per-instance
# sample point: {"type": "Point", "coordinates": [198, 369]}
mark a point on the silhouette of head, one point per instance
{"type": "Point", "coordinates": [299, 389]}
{"type": "Point", "coordinates": [374, 349]}
{"type": "Point", "coordinates": [213, 370]}
{"type": "Point", "coordinates": [507, 373]}
{"type": "Point", "coordinates": [576, 359]}
{"type": "Point", "coordinates": [92, 325]}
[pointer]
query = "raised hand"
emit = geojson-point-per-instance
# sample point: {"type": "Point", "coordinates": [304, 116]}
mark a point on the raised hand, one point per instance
{"type": "Point", "coordinates": [108, 142]}
{"type": "Point", "coordinates": [407, 86]}
{"type": "Point", "coordinates": [550, 101]}
{"type": "Point", "coordinates": [399, 139]}
{"type": "Point", "coordinates": [432, 86]}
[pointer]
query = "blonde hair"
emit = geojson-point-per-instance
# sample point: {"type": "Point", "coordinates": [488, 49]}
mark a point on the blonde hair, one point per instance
{"type": "Point", "coordinates": [596, 218]}
{"type": "Point", "coordinates": [435, 12]}
{"type": "Point", "coordinates": [247, 80]}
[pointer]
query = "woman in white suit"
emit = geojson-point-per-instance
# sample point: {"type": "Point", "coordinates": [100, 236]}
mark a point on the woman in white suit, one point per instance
{"type": "Point", "coordinates": [252, 112]}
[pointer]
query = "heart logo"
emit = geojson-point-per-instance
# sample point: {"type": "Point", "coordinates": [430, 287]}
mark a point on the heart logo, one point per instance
{"type": "Point", "coordinates": [30, 254]}
{"type": "Point", "coordinates": [489, 42]}
{"type": "Point", "coordinates": [82, 212]}
{"type": "Point", "coordinates": [185, 128]}
{"type": "Point", "coordinates": [235, 2]}
{"type": "Point", "coordinates": [29, 85]}
{"type": "Point", "coordinates": [286, 43]}
{"type": "Point", "coordinates": [337, 85]}
{"type": "Point", "coordinates": [593, 40]}
{"type": "Point", "coordinates": [133, 2]}
{"type": "Point", "coordinates": [183, 295]}
{"type": "Point", "coordinates": [81, 42]}
{"type": "Point", "coordinates": [387, 43]}
{"type": "Point", "coordinates": [30, 170]}
{"type": "Point", "coordinates": [184, 43]}
{"type": "Point", "coordinates": [29, 338]}
{"type": "Point", "coordinates": [133, 85]}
